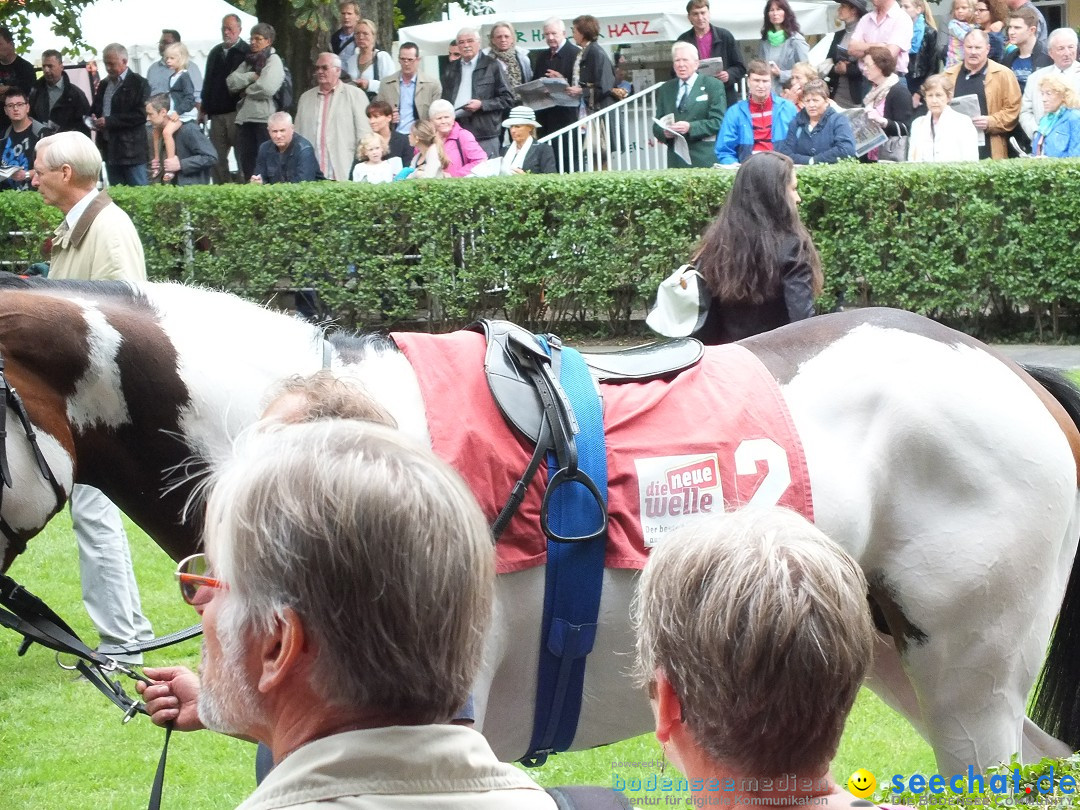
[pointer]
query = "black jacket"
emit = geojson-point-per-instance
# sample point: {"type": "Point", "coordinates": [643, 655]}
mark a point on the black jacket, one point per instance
{"type": "Point", "coordinates": [68, 113]}
{"type": "Point", "coordinates": [555, 118]}
{"type": "Point", "coordinates": [216, 98]}
{"type": "Point", "coordinates": [899, 111]}
{"type": "Point", "coordinates": [540, 159]}
{"type": "Point", "coordinates": [852, 73]}
{"type": "Point", "coordinates": [925, 62]}
{"type": "Point", "coordinates": [724, 46]}
{"type": "Point", "coordinates": [19, 73]}
{"type": "Point", "coordinates": [597, 78]}
{"type": "Point", "coordinates": [489, 85]}
{"type": "Point", "coordinates": [731, 321]}
{"type": "Point", "coordinates": [1039, 57]}
{"type": "Point", "coordinates": [123, 141]}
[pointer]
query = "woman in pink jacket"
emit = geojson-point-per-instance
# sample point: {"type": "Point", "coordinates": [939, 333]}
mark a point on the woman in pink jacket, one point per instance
{"type": "Point", "coordinates": [461, 147]}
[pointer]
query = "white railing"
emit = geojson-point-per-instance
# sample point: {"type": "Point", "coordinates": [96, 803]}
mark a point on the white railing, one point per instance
{"type": "Point", "coordinates": [616, 138]}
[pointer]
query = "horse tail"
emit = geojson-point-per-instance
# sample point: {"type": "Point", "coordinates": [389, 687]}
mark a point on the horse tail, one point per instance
{"type": "Point", "coordinates": [1056, 704]}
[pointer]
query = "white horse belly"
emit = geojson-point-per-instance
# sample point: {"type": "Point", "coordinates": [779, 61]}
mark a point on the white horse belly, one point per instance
{"type": "Point", "coordinates": [940, 470]}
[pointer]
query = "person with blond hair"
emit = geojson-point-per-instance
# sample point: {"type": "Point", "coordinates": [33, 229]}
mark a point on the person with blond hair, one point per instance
{"type": "Point", "coordinates": [362, 63]}
{"type": "Point", "coordinates": [1058, 134]}
{"type": "Point", "coordinates": [430, 159]}
{"type": "Point", "coordinates": [374, 166]}
{"type": "Point", "coordinates": [753, 638]}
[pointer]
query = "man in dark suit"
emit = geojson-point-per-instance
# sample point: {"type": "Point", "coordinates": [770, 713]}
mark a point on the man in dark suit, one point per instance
{"type": "Point", "coordinates": [698, 104]}
{"type": "Point", "coordinates": [557, 62]}
{"type": "Point", "coordinates": [119, 112]}
{"type": "Point", "coordinates": [476, 86]}
{"type": "Point", "coordinates": [711, 42]}
{"type": "Point", "coordinates": [218, 104]}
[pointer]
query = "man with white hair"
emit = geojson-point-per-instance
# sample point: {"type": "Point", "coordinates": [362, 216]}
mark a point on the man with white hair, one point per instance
{"type": "Point", "coordinates": [476, 86]}
{"type": "Point", "coordinates": [287, 157]}
{"type": "Point", "coordinates": [332, 115]}
{"type": "Point", "coordinates": [697, 104]}
{"type": "Point", "coordinates": [1062, 49]}
{"type": "Point", "coordinates": [119, 118]}
{"type": "Point", "coordinates": [95, 241]}
{"type": "Point", "coordinates": [557, 62]}
{"type": "Point", "coordinates": [345, 594]}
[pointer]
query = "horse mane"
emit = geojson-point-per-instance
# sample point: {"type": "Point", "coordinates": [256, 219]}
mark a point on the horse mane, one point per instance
{"type": "Point", "coordinates": [122, 291]}
{"type": "Point", "coordinates": [353, 347]}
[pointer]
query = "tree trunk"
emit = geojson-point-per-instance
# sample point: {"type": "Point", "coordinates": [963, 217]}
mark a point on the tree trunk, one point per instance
{"type": "Point", "coordinates": [299, 46]}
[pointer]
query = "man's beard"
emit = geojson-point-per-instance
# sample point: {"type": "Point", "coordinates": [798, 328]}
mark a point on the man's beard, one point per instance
{"type": "Point", "coordinates": [228, 703]}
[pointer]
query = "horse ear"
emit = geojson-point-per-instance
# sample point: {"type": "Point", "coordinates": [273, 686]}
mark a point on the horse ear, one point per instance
{"type": "Point", "coordinates": [282, 651]}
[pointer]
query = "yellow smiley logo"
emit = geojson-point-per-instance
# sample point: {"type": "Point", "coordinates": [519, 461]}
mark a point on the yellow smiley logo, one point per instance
{"type": "Point", "coordinates": [861, 783]}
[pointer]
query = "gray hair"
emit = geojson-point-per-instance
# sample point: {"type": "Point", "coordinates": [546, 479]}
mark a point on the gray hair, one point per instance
{"type": "Point", "coordinates": [469, 32]}
{"type": "Point", "coordinates": [684, 46]}
{"type": "Point", "coordinates": [279, 117]}
{"type": "Point", "coordinates": [761, 625]}
{"type": "Point", "coordinates": [978, 32]}
{"type": "Point", "coordinates": [1062, 33]}
{"type": "Point", "coordinates": [335, 60]}
{"type": "Point", "coordinates": [440, 105]}
{"type": "Point", "coordinates": [378, 547]}
{"type": "Point", "coordinates": [264, 30]}
{"type": "Point", "coordinates": [115, 49]}
{"type": "Point", "coordinates": [556, 22]}
{"type": "Point", "coordinates": [75, 150]}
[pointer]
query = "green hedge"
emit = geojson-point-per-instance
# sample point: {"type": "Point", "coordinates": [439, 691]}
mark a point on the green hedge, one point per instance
{"type": "Point", "coordinates": [973, 244]}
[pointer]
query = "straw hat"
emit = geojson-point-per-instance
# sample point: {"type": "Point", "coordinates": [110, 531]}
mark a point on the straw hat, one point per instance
{"type": "Point", "coordinates": [521, 115]}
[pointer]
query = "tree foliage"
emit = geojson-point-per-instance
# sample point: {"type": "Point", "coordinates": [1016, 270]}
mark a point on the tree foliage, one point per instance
{"type": "Point", "coordinates": [65, 18]}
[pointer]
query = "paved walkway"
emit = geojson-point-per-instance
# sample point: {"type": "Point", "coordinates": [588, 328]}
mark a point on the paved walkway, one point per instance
{"type": "Point", "coordinates": [1065, 357]}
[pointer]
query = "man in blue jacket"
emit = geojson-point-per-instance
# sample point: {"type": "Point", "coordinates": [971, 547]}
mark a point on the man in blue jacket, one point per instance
{"type": "Point", "coordinates": [287, 157]}
{"type": "Point", "coordinates": [757, 124]}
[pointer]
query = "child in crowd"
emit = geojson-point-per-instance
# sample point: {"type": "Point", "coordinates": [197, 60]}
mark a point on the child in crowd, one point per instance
{"type": "Point", "coordinates": [430, 159]}
{"type": "Point", "coordinates": [182, 107]}
{"type": "Point", "coordinates": [963, 20]}
{"type": "Point", "coordinates": [374, 165]}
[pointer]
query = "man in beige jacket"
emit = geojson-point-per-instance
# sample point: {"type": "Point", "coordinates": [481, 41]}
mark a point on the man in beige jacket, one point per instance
{"type": "Point", "coordinates": [96, 241]}
{"type": "Point", "coordinates": [333, 117]}
{"type": "Point", "coordinates": [408, 91]}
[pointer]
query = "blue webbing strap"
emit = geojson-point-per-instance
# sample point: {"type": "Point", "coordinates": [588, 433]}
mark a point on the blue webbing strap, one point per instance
{"type": "Point", "coordinates": [575, 573]}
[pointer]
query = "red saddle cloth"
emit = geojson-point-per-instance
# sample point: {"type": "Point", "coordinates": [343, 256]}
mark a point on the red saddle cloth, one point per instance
{"type": "Point", "coordinates": [717, 436]}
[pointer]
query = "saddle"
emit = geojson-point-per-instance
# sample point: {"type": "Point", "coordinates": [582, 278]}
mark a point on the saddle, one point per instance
{"type": "Point", "coordinates": [524, 382]}
{"type": "Point", "coordinates": [512, 353]}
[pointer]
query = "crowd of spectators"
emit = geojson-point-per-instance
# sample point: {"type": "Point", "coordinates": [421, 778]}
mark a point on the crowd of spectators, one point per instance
{"type": "Point", "coordinates": [1020, 89]}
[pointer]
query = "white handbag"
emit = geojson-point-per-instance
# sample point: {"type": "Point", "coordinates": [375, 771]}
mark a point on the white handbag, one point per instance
{"type": "Point", "coordinates": [682, 302]}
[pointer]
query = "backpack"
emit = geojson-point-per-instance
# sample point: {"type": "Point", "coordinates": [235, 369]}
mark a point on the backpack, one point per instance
{"type": "Point", "coordinates": [283, 98]}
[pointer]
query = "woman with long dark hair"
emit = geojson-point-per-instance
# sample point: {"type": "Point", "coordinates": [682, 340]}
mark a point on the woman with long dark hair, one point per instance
{"type": "Point", "coordinates": [757, 258]}
{"type": "Point", "coordinates": [782, 43]}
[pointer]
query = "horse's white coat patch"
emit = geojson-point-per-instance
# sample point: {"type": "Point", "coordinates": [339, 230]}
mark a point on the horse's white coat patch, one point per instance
{"type": "Point", "coordinates": [32, 501]}
{"type": "Point", "coordinates": [98, 399]}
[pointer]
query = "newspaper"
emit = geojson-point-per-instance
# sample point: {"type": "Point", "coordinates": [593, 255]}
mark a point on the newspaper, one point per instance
{"type": "Point", "coordinates": [868, 135]}
{"type": "Point", "coordinates": [682, 149]}
{"type": "Point", "coordinates": [711, 67]}
{"type": "Point", "coordinates": [540, 94]}
{"type": "Point", "coordinates": [969, 106]}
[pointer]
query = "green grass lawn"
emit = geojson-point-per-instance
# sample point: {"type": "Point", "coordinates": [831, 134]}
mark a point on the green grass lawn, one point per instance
{"type": "Point", "coordinates": [63, 747]}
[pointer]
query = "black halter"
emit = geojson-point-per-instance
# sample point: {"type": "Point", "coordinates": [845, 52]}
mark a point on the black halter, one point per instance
{"type": "Point", "coordinates": [11, 399]}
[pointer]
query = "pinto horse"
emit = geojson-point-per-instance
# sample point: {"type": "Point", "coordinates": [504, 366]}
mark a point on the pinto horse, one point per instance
{"type": "Point", "coordinates": [947, 471]}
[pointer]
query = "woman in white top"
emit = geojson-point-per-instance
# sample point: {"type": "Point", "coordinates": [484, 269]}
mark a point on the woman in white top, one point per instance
{"type": "Point", "coordinates": [942, 135]}
{"type": "Point", "coordinates": [365, 65]}
{"type": "Point", "coordinates": [374, 166]}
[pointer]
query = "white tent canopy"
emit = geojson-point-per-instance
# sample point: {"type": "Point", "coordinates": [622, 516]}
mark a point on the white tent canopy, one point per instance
{"type": "Point", "coordinates": [137, 25]}
{"type": "Point", "coordinates": [620, 22]}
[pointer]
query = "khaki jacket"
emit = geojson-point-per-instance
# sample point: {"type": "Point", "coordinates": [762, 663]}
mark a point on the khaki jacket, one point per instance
{"type": "Point", "coordinates": [346, 124]}
{"type": "Point", "coordinates": [427, 91]}
{"type": "Point", "coordinates": [1002, 105]}
{"type": "Point", "coordinates": [102, 246]}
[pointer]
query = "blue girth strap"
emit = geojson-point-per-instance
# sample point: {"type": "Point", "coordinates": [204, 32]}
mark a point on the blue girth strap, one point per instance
{"type": "Point", "coordinates": [575, 571]}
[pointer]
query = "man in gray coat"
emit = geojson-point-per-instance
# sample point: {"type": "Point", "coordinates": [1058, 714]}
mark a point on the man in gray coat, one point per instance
{"type": "Point", "coordinates": [195, 155]}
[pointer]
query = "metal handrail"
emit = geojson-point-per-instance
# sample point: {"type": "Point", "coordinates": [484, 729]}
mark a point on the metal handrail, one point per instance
{"type": "Point", "coordinates": [616, 138]}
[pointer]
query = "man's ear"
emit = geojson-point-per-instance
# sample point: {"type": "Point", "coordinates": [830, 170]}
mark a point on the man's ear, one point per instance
{"type": "Point", "coordinates": [282, 650]}
{"type": "Point", "coordinates": [669, 715]}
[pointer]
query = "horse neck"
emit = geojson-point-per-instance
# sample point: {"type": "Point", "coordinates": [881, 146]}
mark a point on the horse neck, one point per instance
{"type": "Point", "coordinates": [391, 381]}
